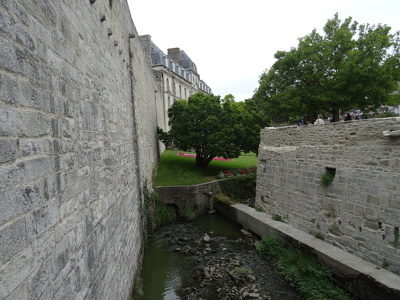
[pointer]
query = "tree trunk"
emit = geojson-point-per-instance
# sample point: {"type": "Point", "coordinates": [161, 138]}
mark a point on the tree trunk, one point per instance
{"type": "Point", "coordinates": [336, 115]}
{"type": "Point", "coordinates": [198, 160]}
{"type": "Point", "coordinates": [202, 160]}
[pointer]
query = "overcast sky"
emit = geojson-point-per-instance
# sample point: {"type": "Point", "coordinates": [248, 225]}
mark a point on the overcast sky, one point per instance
{"type": "Point", "coordinates": [233, 42]}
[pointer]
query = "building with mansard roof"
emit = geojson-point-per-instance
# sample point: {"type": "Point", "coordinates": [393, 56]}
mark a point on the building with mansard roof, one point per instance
{"type": "Point", "coordinates": [175, 73]}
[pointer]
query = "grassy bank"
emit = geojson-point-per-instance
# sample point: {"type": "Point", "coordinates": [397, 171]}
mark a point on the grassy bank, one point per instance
{"type": "Point", "coordinates": [302, 270]}
{"type": "Point", "coordinates": [180, 170]}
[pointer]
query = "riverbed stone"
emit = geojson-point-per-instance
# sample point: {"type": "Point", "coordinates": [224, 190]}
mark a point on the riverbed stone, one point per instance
{"type": "Point", "coordinates": [206, 238]}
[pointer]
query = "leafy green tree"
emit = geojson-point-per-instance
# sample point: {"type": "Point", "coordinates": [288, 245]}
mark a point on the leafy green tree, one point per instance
{"type": "Point", "coordinates": [211, 126]}
{"type": "Point", "coordinates": [350, 66]}
{"type": "Point", "coordinates": [249, 121]}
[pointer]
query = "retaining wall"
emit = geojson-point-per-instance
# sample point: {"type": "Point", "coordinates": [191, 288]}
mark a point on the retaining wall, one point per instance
{"type": "Point", "coordinates": [359, 211]}
{"type": "Point", "coordinates": [78, 117]}
{"type": "Point", "coordinates": [199, 197]}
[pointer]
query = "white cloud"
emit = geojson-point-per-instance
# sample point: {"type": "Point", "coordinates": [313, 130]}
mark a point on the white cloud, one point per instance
{"type": "Point", "coordinates": [232, 43]}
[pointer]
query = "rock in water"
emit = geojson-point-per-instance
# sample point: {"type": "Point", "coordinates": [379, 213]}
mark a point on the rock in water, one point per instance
{"type": "Point", "coordinates": [206, 238]}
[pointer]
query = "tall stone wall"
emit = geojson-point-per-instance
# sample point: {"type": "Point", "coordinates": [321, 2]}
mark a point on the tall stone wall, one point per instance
{"type": "Point", "coordinates": [360, 210]}
{"type": "Point", "coordinates": [78, 116]}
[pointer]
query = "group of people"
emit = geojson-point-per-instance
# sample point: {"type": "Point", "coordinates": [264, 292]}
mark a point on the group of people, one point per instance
{"type": "Point", "coordinates": [348, 117]}
{"type": "Point", "coordinates": [318, 121]}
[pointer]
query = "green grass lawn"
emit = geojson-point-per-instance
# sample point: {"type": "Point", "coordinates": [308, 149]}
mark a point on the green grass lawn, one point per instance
{"type": "Point", "coordinates": [179, 170]}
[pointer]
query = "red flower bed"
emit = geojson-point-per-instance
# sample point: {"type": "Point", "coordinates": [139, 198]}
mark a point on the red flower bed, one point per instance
{"type": "Point", "coordinates": [194, 155]}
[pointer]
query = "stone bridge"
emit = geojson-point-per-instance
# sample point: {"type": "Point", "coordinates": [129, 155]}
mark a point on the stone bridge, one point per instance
{"type": "Point", "coordinates": [195, 197]}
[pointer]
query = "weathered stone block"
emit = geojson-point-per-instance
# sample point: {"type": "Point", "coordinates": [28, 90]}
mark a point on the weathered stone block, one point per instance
{"type": "Point", "coordinates": [30, 97]}
{"type": "Point", "coordinates": [37, 124]}
{"type": "Point", "coordinates": [38, 167]}
{"type": "Point", "coordinates": [30, 147]}
{"type": "Point", "coordinates": [49, 12]}
{"type": "Point", "coordinates": [20, 292]}
{"type": "Point", "coordinates": [12, 90]}
{"type": "Point", "coordinates": [6, 23]}
{"type": "Point", "coordinates": [394, 204]}
{"type": "Point", "coordinates": [56, 127]}
{"type": "Point", "coordinates": [13, 274]}
{"type": "Point", "coordinates": [13, 239]}
{"type": "Point", "coordinates": [24, 38]}
{"type": "Point", "coordinates": [11, 58]}
{"type": "Point", "coordinates": [41, 280]}
{"type": "Point", "coordinates": [10, 120]}
{"type": "Point", "coordinates": [8, 150]}
{"type": "Point", "coordinates": [45, 217]}
{"type": "Point", "coordinates": [15, 201]}
{"type": "Point", "coordinates": [20, 13]}
{"type": "Point", "coordinates": [12, 174]}
{"type": "Point", "coordinates": [47, 245]}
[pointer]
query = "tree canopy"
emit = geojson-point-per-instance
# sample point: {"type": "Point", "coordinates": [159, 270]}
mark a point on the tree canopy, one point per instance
{"type": "Point", "coordinates": [351, 65]}
{"type": "Point", "coordinates": [212, 127]}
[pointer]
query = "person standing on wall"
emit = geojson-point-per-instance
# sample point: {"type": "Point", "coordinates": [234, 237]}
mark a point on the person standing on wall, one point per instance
{"type": "Point", "coordinates": [301, 121]}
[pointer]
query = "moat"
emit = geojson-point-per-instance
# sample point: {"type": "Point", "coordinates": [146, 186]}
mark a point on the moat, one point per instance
{"type": "Point", "coordinates": [209, 258]}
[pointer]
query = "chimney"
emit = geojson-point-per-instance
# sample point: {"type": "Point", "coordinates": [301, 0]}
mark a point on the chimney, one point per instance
{"type": "Point", "coordinates": [174, 54]}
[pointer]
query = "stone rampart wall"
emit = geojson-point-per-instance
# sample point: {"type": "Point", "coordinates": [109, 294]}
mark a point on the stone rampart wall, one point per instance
{"type": "Point", "coordinates": [78, 117]}
{"type": "Point", "coordinates": [360, 210]}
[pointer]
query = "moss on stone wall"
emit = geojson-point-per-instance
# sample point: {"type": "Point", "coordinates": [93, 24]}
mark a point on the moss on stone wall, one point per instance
{"type": "Point", "coordinates": [239, 188]}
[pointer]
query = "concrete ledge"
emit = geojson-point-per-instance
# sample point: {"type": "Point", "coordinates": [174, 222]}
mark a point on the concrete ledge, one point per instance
{"type": "Point", "coordinates": [358, 276]}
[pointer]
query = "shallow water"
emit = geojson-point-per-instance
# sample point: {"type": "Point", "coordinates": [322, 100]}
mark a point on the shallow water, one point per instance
{"type": "Point", "coordinates": [167, 273]}
{"type": "Point", "coordinates": [163, 270]}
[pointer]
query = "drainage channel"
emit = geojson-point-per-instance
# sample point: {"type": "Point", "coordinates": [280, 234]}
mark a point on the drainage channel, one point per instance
{"type": "Point", "coordinates": [210, 258]}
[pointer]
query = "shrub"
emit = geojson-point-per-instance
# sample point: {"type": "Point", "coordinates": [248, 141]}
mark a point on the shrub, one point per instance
{"type": "Point", "coordinates": [148, 209]}
{"type": "Point", "coordinates": [387, 114]}
{"type": "Point", "coordinates": [240, 273]}
{"type": "Point", "coordinates": [164, 214]}
{"type": "Point", "coordinates": [239, 187]}
{"type": "Point", "coordinates": [277, 218]}
{"type": "Point", "coordinates": [188, 213]}
{"type": "Point", "coordinates": [328, 177]}
{"type": "Point", "coordinates": [301, 270]}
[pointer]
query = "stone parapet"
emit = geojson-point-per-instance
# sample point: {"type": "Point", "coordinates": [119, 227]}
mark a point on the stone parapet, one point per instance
{"type": "Point", "coordinates": [359, 211]}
